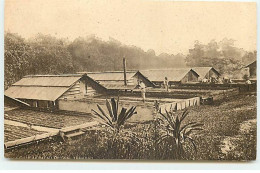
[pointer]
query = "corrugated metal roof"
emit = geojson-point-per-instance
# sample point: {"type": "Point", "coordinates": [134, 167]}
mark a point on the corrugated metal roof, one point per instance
{"type": "Point", "coordinates": [106, 78]}
{"type": "Point", "coordinates": [35, 93]}
{"type": "Point", "coordinates": [48, 80]}
{"type": "Point", "coordinates": [118, 86]}
{"type": "Point", "coordinates": [202, 71]}
{"type": "Point", "coordinates": [110, 76]}
{"type": "Point", "coordinates": [42, 87]}
{"type": "Point", "coordinates": [158, 75]}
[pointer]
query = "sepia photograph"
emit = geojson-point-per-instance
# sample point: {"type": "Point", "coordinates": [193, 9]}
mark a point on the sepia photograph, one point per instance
{"type": "Point", "coordinates": [135, 80]}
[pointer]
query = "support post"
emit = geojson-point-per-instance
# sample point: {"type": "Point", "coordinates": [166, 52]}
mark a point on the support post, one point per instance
{"type": "Point", "coordinates": [124, 66]}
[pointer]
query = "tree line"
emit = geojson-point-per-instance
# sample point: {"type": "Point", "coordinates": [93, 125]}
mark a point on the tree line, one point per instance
{"type": "Point", "coordinates": [45, 54]}
{"type": "Point", "coordinates": [223, 56]}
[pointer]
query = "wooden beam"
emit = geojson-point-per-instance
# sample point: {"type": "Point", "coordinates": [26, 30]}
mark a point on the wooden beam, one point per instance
{"type": "Point", "coordinates": [124, 66]}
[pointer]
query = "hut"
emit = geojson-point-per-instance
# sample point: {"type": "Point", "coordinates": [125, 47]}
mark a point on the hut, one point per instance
{"type": "Point", "coordinates": [251, 68]}
{"type": "Point", "coordinates": [44, 91]}
{"type": "Point", "coordinates": [174, 76]}
{"type": "Point", "coordinates": [206, 72]}
{"type": "Point", "coordinates": [114, 80]}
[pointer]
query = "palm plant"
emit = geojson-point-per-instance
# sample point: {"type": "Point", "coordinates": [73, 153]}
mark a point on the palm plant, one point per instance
{"type": "Point", "coordinates": [113, 118]}
{"type": "Point", "coordinates": [175, 133]}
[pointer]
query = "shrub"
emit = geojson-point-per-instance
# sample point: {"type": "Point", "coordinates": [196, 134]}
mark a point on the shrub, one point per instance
{"type": "Point", "coordinates": [117, 144]}
{"type": "Point", "coordinates": [113, 119]}
{"type": "Point", "coordinates": [175, 136]}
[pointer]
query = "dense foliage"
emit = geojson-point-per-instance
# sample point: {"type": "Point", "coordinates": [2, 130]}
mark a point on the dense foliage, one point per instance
{"type": "Point", "coordinates": [223, 55]}
{"type": "Point", "coordinates": [17, 58]}
{"type": "Point", "coordinates": [93, 54]}
{"type": "Point", "coordinates": [45, 54]}
{"type": "Point", "coordinates": [42, 54]}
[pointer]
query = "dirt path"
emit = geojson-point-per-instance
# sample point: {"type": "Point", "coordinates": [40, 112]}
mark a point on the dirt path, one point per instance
{"type": "Point", "coordinates": [229, 142]}
{"type": "Point", "coordinates": [247, 125]}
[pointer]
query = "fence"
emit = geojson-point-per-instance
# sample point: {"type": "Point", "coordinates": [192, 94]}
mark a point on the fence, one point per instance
{"type": "Point", "coordinates": [145, 110]}
{"type": "Point", "coordinates": [212, 86]}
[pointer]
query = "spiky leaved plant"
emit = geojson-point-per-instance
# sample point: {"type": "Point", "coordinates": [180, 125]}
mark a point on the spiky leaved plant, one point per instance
{"type": "Point", "coordinates": [155, 128]}
{"type": "Point", "coordinates": [113, 118]}
{"type": "Point", "coordinates": [175, 133]}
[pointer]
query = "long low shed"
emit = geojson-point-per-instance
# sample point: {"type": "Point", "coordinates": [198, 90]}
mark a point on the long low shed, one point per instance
{"type": "Point", "coordinates": [114, 80]}
{"type": "Point", "coordinates": [174, 76]}
{"type": "Point", "coordinates": [43, 91]}
{"type": "Point", "coordinates": [206, 72]}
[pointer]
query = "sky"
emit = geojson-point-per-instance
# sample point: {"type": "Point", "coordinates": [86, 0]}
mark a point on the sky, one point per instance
{"type": "Point", "coordinates": [164, 26]}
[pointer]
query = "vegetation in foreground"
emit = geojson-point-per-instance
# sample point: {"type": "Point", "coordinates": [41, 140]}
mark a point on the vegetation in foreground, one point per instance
{"type": "Point", "coordinates": [229, 133]}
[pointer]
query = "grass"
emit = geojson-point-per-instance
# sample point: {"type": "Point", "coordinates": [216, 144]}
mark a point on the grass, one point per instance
{"type": "Point", "coordinates": [223, 120]}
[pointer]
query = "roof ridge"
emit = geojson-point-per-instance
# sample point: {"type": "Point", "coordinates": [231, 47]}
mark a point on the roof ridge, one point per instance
{"type": "Point", "coordinates": [129, 71]}
{"type": "Point", "coordinates": [168, 69]}
{"type": "Point", "coordinates": [203, 67]}
{"type": "Point", "coordinates": [61, 75]}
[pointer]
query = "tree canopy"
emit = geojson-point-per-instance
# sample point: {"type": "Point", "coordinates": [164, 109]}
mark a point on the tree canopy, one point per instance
{"type": "Point", "coordinates": [45, 54]}
{"type": "Point", "coordinates": [223, 56]}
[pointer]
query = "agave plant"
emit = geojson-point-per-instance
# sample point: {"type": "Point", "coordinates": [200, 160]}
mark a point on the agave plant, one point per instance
{"type": "Point", "coordinates": [176, 133]}
{"type": "Point", "coordinates": [112, 117]}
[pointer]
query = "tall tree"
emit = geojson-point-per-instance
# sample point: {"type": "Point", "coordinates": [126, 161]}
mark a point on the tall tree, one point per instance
{"type": "Point", "coordinates": [17, 57]}
{"type": "Point", "coordinates": [51, 55]}
{"type": "Point", "coordinates": [223, 55]}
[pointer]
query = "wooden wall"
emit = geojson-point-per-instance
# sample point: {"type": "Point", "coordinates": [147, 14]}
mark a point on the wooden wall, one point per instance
{"type": "Point", "coordinates": [80, 89]}
{"type": "Point", "coordinates": [190, 77]}
{"type": "Point", "coordinates": [73, 92]}
{"type": "Point", "coordinates": [139, 77]}
{"type": "Point", "coordinates": [212, 73]}
{"type": "Point", "coordinates": [252, 70]}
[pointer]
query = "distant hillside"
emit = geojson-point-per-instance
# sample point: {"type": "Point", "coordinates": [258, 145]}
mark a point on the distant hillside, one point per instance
{"type": "Point", "coordinates": [92, 54]}
{"type": "Point", "coordinates": [45, 54]}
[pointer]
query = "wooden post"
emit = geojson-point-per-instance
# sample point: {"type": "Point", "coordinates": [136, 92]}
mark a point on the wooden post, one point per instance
{"type": "Point", "coordinates": [124, 66]}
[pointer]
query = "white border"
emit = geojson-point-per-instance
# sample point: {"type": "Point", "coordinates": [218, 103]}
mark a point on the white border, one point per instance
{"type": "Point", "coordinates": [97, 165]}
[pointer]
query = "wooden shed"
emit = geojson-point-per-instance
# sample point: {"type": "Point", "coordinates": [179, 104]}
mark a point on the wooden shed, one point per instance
{"type": "Point", "coordinates": [43, 91]}
{"type": "Point", "coordinates": [114, 80]}
{"type": "Point", "coordinates": [206, 72]}
{"type": "Point", "coordinates": [174, 76]}
{"type": "Point", "coordinates": [252, 70]}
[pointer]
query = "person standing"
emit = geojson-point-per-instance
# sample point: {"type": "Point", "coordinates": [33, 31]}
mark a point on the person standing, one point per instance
{"type": "Point", "coordinates": [142, 87]}
{"type": "Point", "coordinates": [220, 80]}
{"type": "Point", "coordinates": [166, 84]}
{"type": "Point", "coordinates": [248, 82]}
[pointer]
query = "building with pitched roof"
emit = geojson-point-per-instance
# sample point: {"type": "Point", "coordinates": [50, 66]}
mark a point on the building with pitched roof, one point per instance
{"type": "Point", "coordinates": [206, 72]}
{"type": "Point", "coordinates": [43, 91]}
{"type": "Point", "coordinates": [174, 76]}
{"type": "Point", "coordinates": [114, 80]}
{"type": "Point", "coordinates": [251, 70]}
